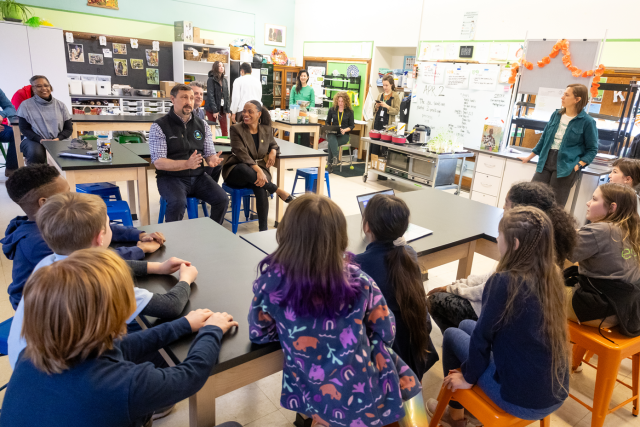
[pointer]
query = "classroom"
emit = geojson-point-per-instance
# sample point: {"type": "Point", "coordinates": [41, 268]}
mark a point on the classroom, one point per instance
{"type": "Point", "coordinates": [290, 213]}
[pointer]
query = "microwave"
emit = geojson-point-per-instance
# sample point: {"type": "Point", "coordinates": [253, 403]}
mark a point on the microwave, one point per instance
{"type": "Point", "coordinates": [433, 171]}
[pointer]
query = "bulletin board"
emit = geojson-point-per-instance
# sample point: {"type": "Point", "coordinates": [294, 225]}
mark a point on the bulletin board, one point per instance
{"type": "Point", "coordinates": [136, 78]}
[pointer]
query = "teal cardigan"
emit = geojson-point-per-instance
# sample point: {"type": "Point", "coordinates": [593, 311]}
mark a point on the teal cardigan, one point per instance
{"type": "Point", "coordinates": [580, 143]}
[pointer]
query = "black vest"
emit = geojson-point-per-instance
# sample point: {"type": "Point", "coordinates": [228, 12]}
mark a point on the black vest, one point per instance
{"type": "Point", "coordinates": [182, 140]}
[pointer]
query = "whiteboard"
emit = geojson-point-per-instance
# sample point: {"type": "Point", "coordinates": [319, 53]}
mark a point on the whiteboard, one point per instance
{"type": "Point", "coordinates": [442, 101]}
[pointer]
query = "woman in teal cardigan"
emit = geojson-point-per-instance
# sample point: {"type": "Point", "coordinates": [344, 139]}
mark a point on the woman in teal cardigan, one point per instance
{"type": "Point", "coordinates": [568, 144]}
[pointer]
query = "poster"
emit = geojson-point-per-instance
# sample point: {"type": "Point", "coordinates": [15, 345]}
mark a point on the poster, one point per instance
{"type": "Point", "coordinates": [451, 51]}
{"type": "Point", "coordinates": [433, 73]}
{"type": "Point", "coordinates": [316, 78]}
{"type": "Point", "coordinates": [484, 78]}
{"type": "Point", "coordinates": [76, 52]}
{"type": "Point", "coordinates": [548, 100]}
{"type": "Point", "coordinates": [107, 53]}
{"type": "Point", "coordinates": [120, 67]}
{"type": "Point", "coordinates": [456, 78]}
{"type": "Point", "coordinates": [437, 51]}
{"type": "Point", "coordinates": [152, 57]}
{"type": "Point", "coordinates": [499, 51]}
{"type": "Point", "coordinates": [491, 137]}
{"type": "Point", "coordinates": [275, 35]}
{"type": "Point", "coordinates": [96, 59]}
{"type": "Point", "coordinates": [107, 4]}
{"type": "Point", "coordinates": [119, 49]}
{"type": "Point", "coordinates": [137, 64]}
{"type": "Point", "coordinates": [153, 76]}
{"type": "Point", "coordinates": [469, 23]}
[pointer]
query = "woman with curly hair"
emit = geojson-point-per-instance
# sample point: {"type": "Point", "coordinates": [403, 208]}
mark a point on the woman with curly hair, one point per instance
{"type": "Point", "coordinates": [341, 114]}
{"type": "Point", "coordinates": [451, 304]}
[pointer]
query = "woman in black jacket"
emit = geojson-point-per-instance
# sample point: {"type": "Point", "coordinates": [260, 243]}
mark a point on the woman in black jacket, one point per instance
{"type": "Point", "coordinates": [216, 103]}
{"type": "Point", "coordinates": [341, 115]}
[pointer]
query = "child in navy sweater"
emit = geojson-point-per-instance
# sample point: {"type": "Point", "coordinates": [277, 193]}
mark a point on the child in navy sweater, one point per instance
{"type": "Point", "coordinates": [80, 369]}
{"type": "Point", "coordinates": [30, 187]}
{"type": "Point", "coordinates": [334, 324]}
{"type": "Point", "coordinates": [393, 265]}
{"type": "Point", "coordinates": [523, 319]}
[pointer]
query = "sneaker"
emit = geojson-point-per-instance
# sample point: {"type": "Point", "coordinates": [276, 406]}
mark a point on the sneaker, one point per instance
{"type": "Point", "coordinates": [446, 420]}
{"type": "Point", "coordinates": [162, 412]}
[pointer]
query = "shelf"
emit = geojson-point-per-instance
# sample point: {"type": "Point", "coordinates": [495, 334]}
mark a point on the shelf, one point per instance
{"type": "Point", "coordinates": [204, 45]}
{"type": "Point", "coordinates": [196, 74]}
{"type": "Point", "coordinates": [94, 106]}
{"type": "Point", "coordinates": [146, 98]}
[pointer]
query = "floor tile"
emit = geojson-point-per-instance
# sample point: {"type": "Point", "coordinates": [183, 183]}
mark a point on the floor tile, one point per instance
{"type": "Point", "coordinates": [274, 419]}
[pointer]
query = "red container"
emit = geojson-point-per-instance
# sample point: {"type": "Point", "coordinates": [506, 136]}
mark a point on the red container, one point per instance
{"type": "Point", "coordinates": [399, 140]}
{"type": "Point", "coordinates": [374, 135]}
{"type": "Point", "coordinates": [387, 137]}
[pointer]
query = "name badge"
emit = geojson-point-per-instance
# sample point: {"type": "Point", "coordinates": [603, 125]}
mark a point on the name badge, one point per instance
{"type": "Point", "coordinates": [381, 112]}
{"type": "Point", "coordinates": [222, 102]}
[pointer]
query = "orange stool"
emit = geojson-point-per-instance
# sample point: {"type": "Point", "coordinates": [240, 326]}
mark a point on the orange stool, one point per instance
{"type": "Point", "coordinates": [588, 340]}
{"type": "Point", "coordinates": [475, 401]}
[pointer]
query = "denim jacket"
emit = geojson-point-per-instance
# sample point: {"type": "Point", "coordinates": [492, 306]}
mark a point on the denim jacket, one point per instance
{"type": "Point", "coordinates": [580, 143]}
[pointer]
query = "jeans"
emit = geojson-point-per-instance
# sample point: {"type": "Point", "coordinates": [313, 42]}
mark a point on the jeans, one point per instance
{"type": "Point", "coordinates": [34, 152]}
{"type": "Point", "coordinates": [335, 141]}
{"type": "Point", "coordinates": [176, 189]}
{"type": "Point", "coordinates": [549, 175]}
{"type": "Point", "coordinates": [214, 172]}
{"type": "Point", "coordinates": [6, 135]}
{"type": "Point", "coordinates": [455, 350]}
{"type": "Point", "coordinates": [448, 310]}
{"type": "Point", "coordinates": [243, 176]}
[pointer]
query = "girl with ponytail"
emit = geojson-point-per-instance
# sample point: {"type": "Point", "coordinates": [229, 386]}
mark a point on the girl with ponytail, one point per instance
{"type": "Point", "coordinates": [393, 265]}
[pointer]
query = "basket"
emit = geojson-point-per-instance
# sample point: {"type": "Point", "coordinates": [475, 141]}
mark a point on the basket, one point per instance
{"type": "Point", "coordinates": [213, 57]}
{"type": "Point", "coordinates": [234, 52]}
{"type": "Point", "coordinates": [189, 56]}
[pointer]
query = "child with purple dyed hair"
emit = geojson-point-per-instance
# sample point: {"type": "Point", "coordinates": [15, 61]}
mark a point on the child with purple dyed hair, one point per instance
{"type": "Point", "coordinates": [333, 322]}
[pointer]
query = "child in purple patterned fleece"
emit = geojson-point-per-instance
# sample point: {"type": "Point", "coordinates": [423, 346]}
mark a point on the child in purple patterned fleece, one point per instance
{"type": "Point", "coordinates": [333, 322]}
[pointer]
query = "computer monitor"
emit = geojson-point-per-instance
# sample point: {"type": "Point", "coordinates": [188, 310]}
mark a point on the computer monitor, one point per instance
{"type": "Point", "coordinates": [363, 199]}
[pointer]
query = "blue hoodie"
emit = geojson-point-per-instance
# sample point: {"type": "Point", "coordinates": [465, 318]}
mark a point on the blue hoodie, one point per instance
{"type": "Point", "coordinates": [24, 245]}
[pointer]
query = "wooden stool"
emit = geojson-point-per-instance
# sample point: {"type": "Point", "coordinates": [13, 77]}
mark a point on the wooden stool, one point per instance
{"type": "Point", "coordinates": [588, 339]}
{"type": "Point", "coordinates": [475, 401]}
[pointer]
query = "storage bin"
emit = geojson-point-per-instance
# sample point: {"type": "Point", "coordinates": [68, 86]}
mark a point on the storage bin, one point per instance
{"type": "Point", "coordinates": [75, 87]}
{"type": "Point", "coordinates": [103, 88]}
{"type": "Point", "coordinates": [89, 87]}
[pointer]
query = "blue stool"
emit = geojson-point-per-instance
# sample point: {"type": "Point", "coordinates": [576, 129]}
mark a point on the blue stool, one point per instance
{"type": "Point", "coordinates": [105, 190]}
{"type": "Point", "coordinates": [310, 176]}
{"type": "Point", "coordinates": [5, 327]}
{"type": "Point", "coordinates": [118, 211]}
{"type": "Point", "coordinates": [192, 208]}
{"type": "Point", "coordinates": [239, 196]}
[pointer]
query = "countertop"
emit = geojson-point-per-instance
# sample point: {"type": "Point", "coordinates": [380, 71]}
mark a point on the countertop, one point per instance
{"type": "Point", "coordinates": [414, 149]}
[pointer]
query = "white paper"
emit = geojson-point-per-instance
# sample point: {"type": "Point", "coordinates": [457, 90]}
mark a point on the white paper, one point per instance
{"type": "Point", "coordinates": [484, 78]}
{"type": "Point", "coordinates": [499, 51]}
{"type": "Point", "coordinates": [481, 52]}
{"type": "Point", "coordinates": [456, 78]}
{"type": "Point", "coordinates": [452, 51]}
{"type": "Point", "coordinates": [103, 40]}
{"type": "Point", "coordinates": [107, 53]}
{"type": "Point", "coordinates": [156, 45]}
{"type": "Point", "coordinates": [433, 74]}
{"type": "Point", "coordinates": [437, 51]}
{"type": "Point", "coordinates": [469, 24]}
{"type": "Point", "coordinates": [548, 100]}
{"type": "Point", "coordinates": [134, 43]}
{"type": "Point", "coordinates": [425, 52]}
{"type": "Point", "coordinates": [505, 73]}
{"type": "Point", "coordinates": [356, 50]}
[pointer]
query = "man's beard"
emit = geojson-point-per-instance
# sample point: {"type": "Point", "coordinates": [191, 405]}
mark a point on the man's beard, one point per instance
{"type": "Point", "coordinates": [186, 111]}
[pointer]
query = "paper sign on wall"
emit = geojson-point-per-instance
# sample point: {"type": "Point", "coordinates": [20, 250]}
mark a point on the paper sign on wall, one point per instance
{"type": "Point", "coordinates": [452, 51]}
{"type": "Point", "coordinates": [425, 52]}
{"type": "Point", "coordinates": [469, 23]}
{"type": "Point", "coordinates": [548, 100]}
{"type": "Point", "coordinates": [437, 51]}
{"type": "Point", "coordinates": [484, 78]}
{"type": "Point", "coordinates": [456, 78]}
{"type": "Point", "coordinates": [499, 51]}
{"type": "Point", "coordinates": [107, 53]}
{"type": "Point", "coordinates": [433, 74]}
{"type": "Point", "coordinates": [69, 37]}
{"type": "Point", "coordinates": [482, 52]}
{"type": "Point", "coordinates": [134, 43]}
{"type": "Point", "coordinates": [156, 45]}
{"type": "Point", "coordinates": [103, 40]}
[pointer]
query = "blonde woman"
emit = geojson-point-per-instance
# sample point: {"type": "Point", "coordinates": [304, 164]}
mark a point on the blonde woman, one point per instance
{"type": "Point", "coordinates": [81, 369]}
{"type": "Point", "coordinates": [341, 114]}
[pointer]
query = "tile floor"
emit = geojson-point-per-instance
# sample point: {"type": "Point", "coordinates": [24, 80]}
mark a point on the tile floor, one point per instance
{"type": "Point", "coordinates": [257, 405]}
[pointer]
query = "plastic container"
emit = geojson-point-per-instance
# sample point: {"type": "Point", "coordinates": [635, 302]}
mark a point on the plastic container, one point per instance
{"type": "Point", "coordinates": [89, 87]}
{"type": "Point", "coordinates": [375, 135]}
{"type": "Point", "coordinates": [294, 112]}
{"type": "Point", "coordinates": [75, 87]}
{"type": "Point", "coordinates": [313, 118]}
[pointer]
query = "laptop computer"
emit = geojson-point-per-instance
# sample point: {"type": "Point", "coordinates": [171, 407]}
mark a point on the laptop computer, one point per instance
{"type": "Point", "coordinates": [414, 232]}
{"type": "Point", "coordinates": [79, 153]}
{"type": "Point", "coordinates": [329, 129]}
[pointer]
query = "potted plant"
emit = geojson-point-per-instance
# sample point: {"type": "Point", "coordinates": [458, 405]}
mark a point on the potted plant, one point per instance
{"type": "Point", "coordinates": [14, 11]}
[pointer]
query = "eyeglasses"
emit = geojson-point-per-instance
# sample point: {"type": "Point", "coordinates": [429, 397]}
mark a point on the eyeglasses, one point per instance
{"type": "Point", "coordinates": [43, 86]}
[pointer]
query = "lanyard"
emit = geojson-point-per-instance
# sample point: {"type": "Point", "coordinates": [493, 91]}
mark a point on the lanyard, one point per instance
{"type": "Point", "coordinates": [340, 118]}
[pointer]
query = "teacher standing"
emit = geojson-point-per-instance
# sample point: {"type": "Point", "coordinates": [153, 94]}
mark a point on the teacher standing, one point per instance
{"type": "Point", "coordinates": [303, 92]}
{"type": "Point", "coordinates": [387, 107]}
{"type": "Point", "coordinates": [568, 144]}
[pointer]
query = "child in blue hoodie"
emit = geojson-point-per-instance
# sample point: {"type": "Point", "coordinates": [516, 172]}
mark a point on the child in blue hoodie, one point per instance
{"type": "Point", "coordinates": [30, 187]}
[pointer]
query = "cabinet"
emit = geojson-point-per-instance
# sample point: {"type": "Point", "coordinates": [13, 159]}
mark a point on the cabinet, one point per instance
{"type": "Point", "coordinates": [515, 171]}
{"type": "Point", "coordinates": [284, 78]}
{"type": "Point", "coordinates": [487, 179]}
{"type": "Point", "coordinates": [197, 70]}
{"type": "Point", "coordinates": [34, 51]}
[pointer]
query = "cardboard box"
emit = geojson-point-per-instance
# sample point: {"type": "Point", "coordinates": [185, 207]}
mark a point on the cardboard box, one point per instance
{"type": "Point", "coordinates": [374, 161]}
{"type": "Point", "coordinates": [183, 31]}
{"type": "Point", "coordinates": [166, 86]}
{"type": "Point", "coordinates": [196, 33]}
{"type": "Point", "coordinates": [382, 164]}
{"type": "Point", "coordinates": [208, 41]}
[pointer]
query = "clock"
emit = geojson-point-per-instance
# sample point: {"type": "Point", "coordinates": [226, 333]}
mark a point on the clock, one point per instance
{"type": "Point", "coordinates": [466, 52]}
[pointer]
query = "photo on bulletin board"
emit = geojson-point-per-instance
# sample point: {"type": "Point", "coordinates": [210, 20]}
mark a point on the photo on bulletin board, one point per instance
{"type": "Point", "coordinates": [275, 35]}
{"type": "Point", "coordinates": [491, 137]}
{"type": "Point", "coordinates": [120, 67]}
{"type": "Point", "coordinates": [76, 52]}
{"type": "Point", "coordinates": [119, 49]}
{"type": "Point", "coordinates": [152, 57]}
{"type": "Point", "coordinates": [137, 64]}
{"type": "Point", "coordinates": [153, 76]}
{"type": "Point", "coordinates": [106, 4]}
{"type": "Point", "coordinates": [95, 59]}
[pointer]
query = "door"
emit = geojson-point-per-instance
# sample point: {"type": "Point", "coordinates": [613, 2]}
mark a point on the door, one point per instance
{"type": "Point", "coordinates": [277, 88]}
{"type": "Point", "coordinates": [291, 81]}
{"type": "Point", "coordinates": [16, 67]}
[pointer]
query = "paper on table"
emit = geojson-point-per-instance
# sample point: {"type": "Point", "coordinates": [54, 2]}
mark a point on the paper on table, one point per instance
{"type": "Point", "coordinates": [547, 101]}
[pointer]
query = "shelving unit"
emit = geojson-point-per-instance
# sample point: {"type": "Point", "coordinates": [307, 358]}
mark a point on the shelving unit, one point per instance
{"type": "Point", "coordinates": [127, 104]}
{"type": "Point", "coordinates": [348, 84]}
{"type": "Point", "coordinates": [199, 69]}
{"type": "Point", "coordinates": [284, 78]}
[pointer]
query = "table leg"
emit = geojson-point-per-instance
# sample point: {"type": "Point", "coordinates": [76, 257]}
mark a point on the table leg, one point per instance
{"type": "Point", "coordinates": [143, 196]}
{"type": "Point", "coordinates": [16, 141]}
{"type": "Point", "coordinates": [280, 165]}
{"type": "Point", "coordinates": [320, 188]}
{"type": "Point", "coordinates": [131, 194]}
{"type": "Point", "coordinates": [464, 265]}
{"type": "Point", "coordinates": [316, 139]}
{"type": "Point", "coordinates": [74, 134]}
{"type": "Point", "coordinates": [70, 176]}
{"type": "Point", "coordinates": [360, 150]}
